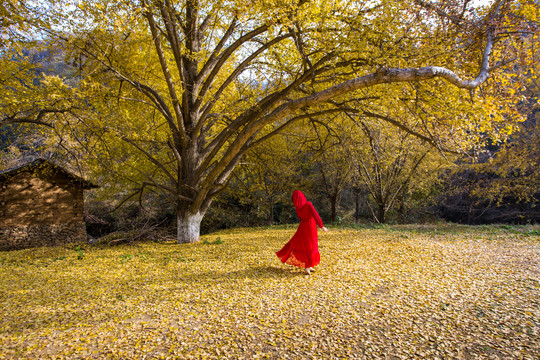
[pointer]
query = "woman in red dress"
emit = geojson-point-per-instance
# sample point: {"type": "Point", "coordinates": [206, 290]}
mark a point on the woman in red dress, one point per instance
{"type": "Point", "coordinates": [302, 250]}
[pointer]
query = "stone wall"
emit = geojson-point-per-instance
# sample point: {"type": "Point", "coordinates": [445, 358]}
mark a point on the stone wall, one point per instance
{"type": "Point", "coordinates": [20, 237]}
{"type": "Point", "coordinates": [28, 200]}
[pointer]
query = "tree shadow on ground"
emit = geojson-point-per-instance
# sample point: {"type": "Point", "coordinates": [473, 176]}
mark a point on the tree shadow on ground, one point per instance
{"type": "Point", "coordinates": [267, 272]}
{"type": "Point", "coordinates": [254, 273]}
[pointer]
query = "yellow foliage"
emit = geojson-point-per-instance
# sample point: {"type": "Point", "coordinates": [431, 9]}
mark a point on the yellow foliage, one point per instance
{"type": "Point", "coordinates": [407, 292]}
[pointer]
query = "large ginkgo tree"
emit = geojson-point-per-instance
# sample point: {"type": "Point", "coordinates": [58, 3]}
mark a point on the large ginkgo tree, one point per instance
{"type": "Point", "coordinates": [176, 92]}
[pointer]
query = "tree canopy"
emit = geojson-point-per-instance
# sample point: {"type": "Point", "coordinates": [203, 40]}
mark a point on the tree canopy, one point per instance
{"type": "Point", "coordinates": [181, 91]}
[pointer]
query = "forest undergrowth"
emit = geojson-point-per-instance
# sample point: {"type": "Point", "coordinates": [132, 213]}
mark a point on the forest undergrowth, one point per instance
{"type": "Point", "coordinates": [394, 292]}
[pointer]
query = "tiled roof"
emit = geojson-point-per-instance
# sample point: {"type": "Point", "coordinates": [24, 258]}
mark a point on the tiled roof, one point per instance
{"type": "Point", "coordinates": [42, 163]}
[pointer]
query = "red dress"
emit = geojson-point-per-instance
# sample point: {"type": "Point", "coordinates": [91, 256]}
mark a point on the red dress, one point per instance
{"type": "Point", "coordinates": [302, 250]}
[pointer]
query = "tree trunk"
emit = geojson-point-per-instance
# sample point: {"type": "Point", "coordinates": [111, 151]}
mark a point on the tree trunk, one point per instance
{"type": "Point", "coordinates": [333, 201]}
{"type": "Point", "coordinates": [381, 217]}
{"type": "Point", "coordinates": [356, 205]}
{"type": "Point", "coordinates": [188, 227]}
{"type": "Point", "coordinates": [271, 222]}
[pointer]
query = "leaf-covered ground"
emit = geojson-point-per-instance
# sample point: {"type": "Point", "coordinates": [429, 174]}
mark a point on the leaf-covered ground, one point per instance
{"type": "Point", "coordinates": [394, 292]}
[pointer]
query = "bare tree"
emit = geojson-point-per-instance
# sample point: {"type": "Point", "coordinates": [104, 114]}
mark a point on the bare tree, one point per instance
{"type": "Point", "coordinates": [386, 167]}
{"type": "Point", "coordinates": [331, 157]}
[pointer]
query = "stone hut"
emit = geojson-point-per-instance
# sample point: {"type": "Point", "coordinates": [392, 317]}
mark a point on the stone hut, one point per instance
{"type": "Point", "coordinates": [41, 204]}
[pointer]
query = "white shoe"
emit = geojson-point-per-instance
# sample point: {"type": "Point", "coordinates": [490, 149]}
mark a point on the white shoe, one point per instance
{"type": "Point", "coordinates": [307, 271]}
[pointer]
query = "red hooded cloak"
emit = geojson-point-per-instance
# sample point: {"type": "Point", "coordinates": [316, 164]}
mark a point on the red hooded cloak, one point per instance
{"type": "Point", "coordinates": [303, 250]}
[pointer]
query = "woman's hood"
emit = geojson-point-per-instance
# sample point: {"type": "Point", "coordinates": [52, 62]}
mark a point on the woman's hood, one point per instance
{"type": "Point", "coordinates": [298, 199]}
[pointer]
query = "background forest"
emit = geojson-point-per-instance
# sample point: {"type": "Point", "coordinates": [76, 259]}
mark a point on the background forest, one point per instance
{"type": "Point", "coordinates": [401, 152]}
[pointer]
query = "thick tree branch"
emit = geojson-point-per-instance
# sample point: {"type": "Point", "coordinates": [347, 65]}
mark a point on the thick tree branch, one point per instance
{"type": "Point", "coordinates": [214, 58]}
{"type": "Point", "coordinates": [241, 67]}
{"type": "Point", "coordinates": [206, 22]}
{"type": "Point", "coordinates": [216, 65]}
{"type": "Point", "coordinates": [172, 34]}
{"type": "Point", "coordinates": [381, 76]}
{"type": "Point", "coordinates": [384, 76]}
{"type": "Point", "coordinates": [249, 117]}
{"type": "Point", "coordinates": [177, 155]}
{"type": "Point", "coordinates": [299, 42]}
{"type": "Point", "coordinates": [167, 75]}
{"type": "Point", "coordinates": [13, 119]}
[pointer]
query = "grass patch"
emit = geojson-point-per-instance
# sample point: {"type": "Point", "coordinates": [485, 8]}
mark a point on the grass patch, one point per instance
{"type": "Point", "coordinates": [217, 241]}
{"type": "Point", "coordinates": [391, 292]}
